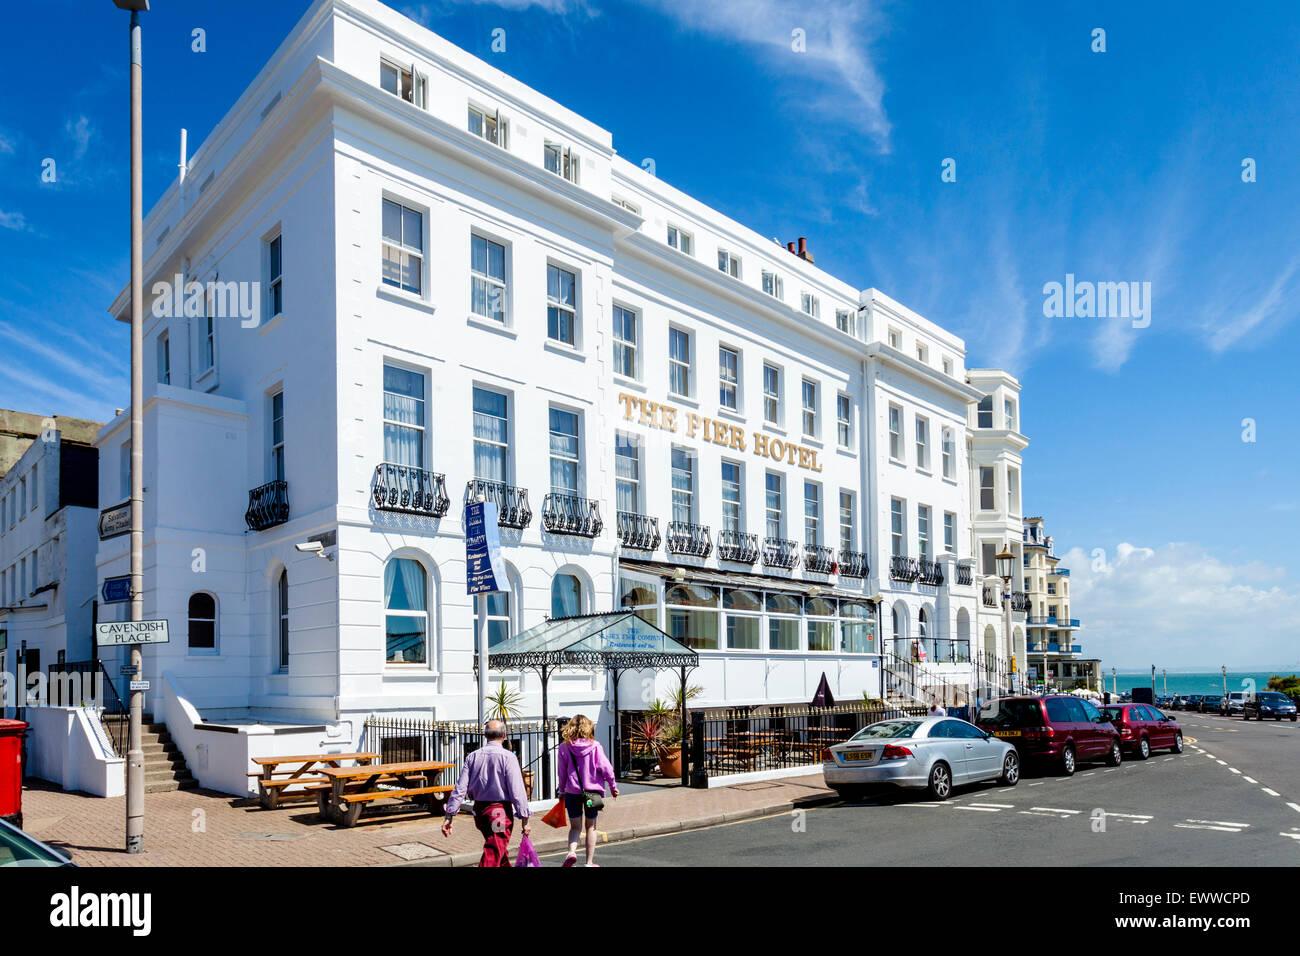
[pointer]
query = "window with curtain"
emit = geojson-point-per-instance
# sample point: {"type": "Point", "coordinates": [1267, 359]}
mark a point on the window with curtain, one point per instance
{"type": "Point", "coordinates": [846, 522]}
{"type": "Point", "coordinates": [406, 612]}
{"type": "Point", "coordinates": [625, 339]}
{"type": "Point", "coordinates": [498, 617]}
{"type": "Point", "coordinates": [487, 283]}
{"type": "Point", "coordinates": [566, 596]}
{"type": "Point", "coordinates": [947, 452]}
{"type": "Point", "coordinates": [844, 421]}
{"type": "Point", "coordinates": [923, 531]}
{"type": "Point", "coordinates": [683, 484]}
{"type": "Point", "coordinates": [627, 470]}
{"type": "Point", "coordinates": [202, 622]}
{"type": "Point", "coordinates": [772, 505]}
{"type": "Point", "coordinates": [564, 452]}
{"type": "Point", "coordinates": [679, 362]}
{"type": "Point", "coordinates": [809, 407]}
{"type": "Point", "coordinates": [282, 610]}
{"type": "Point", "coordinates": [277, 436]}
{"type": "Point", "coordinates": [403, 417]}
{"type": "Point", "coordinates": [896, 529]}
{"type": "Point", "coordinates": [812, 513]}
{"type": "Point", "coordinates": [491, 435]}
{"type": "Point", "coordinates": [728, 377]}
{"type": "Point", "coordinates": [731, 519]}
{"type": "Point", "coordinates": [771, 393]}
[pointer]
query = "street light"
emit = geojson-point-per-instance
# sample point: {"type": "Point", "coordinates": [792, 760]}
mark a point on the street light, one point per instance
{"type": "Point", "coordinates": [135, 751]}
{"type": "Point", "coordinates": [1005, 562]}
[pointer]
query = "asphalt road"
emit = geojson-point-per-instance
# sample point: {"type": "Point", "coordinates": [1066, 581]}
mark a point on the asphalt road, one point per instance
{"type": "Point", "coordinates": [1232, 798]}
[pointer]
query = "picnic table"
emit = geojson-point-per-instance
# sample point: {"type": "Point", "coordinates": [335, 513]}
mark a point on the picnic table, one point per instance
{"type": "Point", "coordinates": [349, 789]}
{"type": "Point", "coordinates": [273, 780]}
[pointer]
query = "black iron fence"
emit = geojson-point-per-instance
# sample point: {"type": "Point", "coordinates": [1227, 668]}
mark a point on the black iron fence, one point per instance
{"type": "Point", "coordinates": [398, 739]}
{"type": "Point", "coordinates": [87, 684]}
{"type": "Point", "coordinates": [746, 740]}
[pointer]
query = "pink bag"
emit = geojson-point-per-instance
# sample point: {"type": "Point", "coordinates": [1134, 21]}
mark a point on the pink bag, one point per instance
{"type": "Point", "coordinates": [527, 856]}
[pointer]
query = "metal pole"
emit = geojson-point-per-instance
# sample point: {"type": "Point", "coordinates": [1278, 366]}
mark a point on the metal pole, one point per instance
{"type": "Point", "coordinates": [135, 755]}
{"type": "Point", "coordinates": [685, 778]}
{"type": "Point", "coordinates": [481, 635]}
{"type": "Point", "coordinates": [546, 738]}
{"type": "Point", "coordinates": [1006, 616]}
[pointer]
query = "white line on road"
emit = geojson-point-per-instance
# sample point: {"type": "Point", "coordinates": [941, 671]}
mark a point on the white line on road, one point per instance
{"type": "Point", "coordinates": [1249, 779]}
{"type": "Point", "coordinates": [1234, 770]}
{"type": "Point", "coordinates": [1221, 763]}
{"type": "Point", "coordinates": [1035, 813]}
{"type": "Point", "coordinates": [1130, 816]}
{"type": "Point", "coordinates": [1000, 806]}
{"type": "Point", "coordinates": [1111, 770]}
{"type": "Point", "coordinates": [1220, 823]}
{"type": "Point", "coordinates": [982, 809]}
{"type": "Point", "coordinates": [1294, 836]}
{"type": "Point", "coordinates": [1038, 784]}
{"type": "Point", "coordinates": [1270, 792]}
{"type": "Point", "coordinates": [1055, 810]}
{"type": "Point", "coordinates": [1197, 826]}
{"type": "Point", "coordinates": [1294, 806]}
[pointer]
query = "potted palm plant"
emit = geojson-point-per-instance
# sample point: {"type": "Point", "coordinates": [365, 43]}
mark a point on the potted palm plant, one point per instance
{"type": "Point", "coordinates": [504, 704]}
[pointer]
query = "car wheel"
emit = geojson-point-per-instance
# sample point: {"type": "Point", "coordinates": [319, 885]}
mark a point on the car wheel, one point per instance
{"type": "Point", "coordinates": [1067, 762]}
{"type": "Point", "coordinates": [1144, 749]}
{"type": "Point", "coordinates": [1293, 718]}
{"type": "Point", "coordinates": [940, 787]}
{"type": "Point", "coordinates": [1114, 758]}
{"type": "Point", "coordinates": [1178, 744]}
{"type": "Point", "coordinates": [1010, 770]}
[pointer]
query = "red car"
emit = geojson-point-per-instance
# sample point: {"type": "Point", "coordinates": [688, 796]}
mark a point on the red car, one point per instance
{"type": "Point", "coordinates": [1059, 728]}
{"type": "Point", "coordinates": [1143, 729]}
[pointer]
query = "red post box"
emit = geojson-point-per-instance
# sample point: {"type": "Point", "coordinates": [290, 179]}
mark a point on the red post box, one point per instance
{"type": "Point", "coordinates": [11, 771]}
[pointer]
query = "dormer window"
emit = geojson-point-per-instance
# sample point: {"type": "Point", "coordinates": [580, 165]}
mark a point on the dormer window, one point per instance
{"type": "Point", "coordinates": [562, 161]}
{"type": "Point", "coordinates": [489, 125]}
{"type": "Point", "coordinates": [773, 285]}
{"type": "Point", "coordinates": [681, 241]}
{"type": "Point", "coordinates": [403, 80]}
{"type": "Point", "coordinates": [811, 305]}
{"type": "Point", "coordinates": [728, 263]}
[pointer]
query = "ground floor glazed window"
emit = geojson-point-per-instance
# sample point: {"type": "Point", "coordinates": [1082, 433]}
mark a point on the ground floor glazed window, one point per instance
{"type": "Point", "coordinates": [406, 612]}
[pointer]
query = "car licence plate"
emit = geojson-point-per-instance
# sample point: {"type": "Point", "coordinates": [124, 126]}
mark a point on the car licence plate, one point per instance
{"type": "Point", "coordinates": [858, 756]}
{"type": "Point", "coordinates": [1006, 733]}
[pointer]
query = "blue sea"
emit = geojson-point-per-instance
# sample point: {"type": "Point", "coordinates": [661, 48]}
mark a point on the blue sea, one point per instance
{"type": "Point", "coordinates": [1199, 683]}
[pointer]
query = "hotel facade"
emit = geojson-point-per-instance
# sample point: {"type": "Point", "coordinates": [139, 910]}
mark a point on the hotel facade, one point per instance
{"type": "Point", "coordinates": [463, 291]}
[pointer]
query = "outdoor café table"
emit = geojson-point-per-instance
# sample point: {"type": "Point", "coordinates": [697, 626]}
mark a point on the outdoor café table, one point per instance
{"type": "Point", "coordinates": [272, 788]}
{"type": "Point", "coordinates": [349, 789]}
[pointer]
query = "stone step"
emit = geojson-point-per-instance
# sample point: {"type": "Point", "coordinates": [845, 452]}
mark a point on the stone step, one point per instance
{"type": "Point", "coordinates": [168, 786]}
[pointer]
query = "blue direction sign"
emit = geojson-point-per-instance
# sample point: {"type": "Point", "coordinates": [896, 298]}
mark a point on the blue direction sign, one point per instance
{"type": "Point", "coordinates": [116, 590]}
{"type": "Point", "coordinates": [484, 571]}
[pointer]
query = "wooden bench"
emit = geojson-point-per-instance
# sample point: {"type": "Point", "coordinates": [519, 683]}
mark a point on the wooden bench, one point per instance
{"type": "Point", "coordinates": [350, 789]}
{"type": "Point", "coordinates": [273, 781]}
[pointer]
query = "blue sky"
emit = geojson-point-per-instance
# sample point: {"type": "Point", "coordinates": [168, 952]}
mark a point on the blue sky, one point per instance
{"type": "Point", "coordinates": [1123, 165]}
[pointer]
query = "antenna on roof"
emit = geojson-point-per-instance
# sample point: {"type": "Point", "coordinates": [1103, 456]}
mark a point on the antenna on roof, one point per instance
{"type": "Point", "coordinates": [183, 162]}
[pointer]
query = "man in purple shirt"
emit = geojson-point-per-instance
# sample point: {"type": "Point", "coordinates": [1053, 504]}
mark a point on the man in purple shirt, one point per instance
{"type": "Point", "coordinates": [492, 779]}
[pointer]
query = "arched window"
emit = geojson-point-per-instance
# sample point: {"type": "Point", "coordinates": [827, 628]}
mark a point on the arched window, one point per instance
{"type": "Point", "coordinates": [282, 610]}
{"type": "Point", "coordinates": [203, 622]}
{"type": "Point", "coordinates": [406, 612]}
{"type": "Point", "coordinates": [566, 596]}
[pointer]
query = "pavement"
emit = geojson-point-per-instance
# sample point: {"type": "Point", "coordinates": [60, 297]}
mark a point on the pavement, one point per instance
{"type": "Point", "coordinates": [1231, 799]}
{"type": "Point", "coordinates": [205, 828]}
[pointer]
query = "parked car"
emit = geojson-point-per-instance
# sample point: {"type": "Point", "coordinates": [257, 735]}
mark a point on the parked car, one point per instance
{"type": "Point", "coordinates": [1143, 728]}
{"type": "Point", "coordinates": [1232, 703]}
{"type": "Point", "coordinates": [1061, 729]}
{"type": "Point", "coordinates": [1210, 704]}
{"type": "Point", "coordinates": [1192, 702]}
{"type": "Point", "coordinates": [1268, 703]}
{"type": "Point", "coordinates": [935, 753]}
{"type": "Point", "coordinates": [20, 849]}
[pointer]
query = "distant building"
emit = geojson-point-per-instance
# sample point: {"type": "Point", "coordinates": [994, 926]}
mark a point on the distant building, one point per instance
{"type": "Point", "coordinates": [1053, 645]}
{"type": "Point", "coordinates": [48, 513]}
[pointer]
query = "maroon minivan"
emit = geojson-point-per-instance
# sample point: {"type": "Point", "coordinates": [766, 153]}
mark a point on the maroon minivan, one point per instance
{"type": "Point", "coordinates": [1059, 728]}
{"type": "Point", "coordinates": [1143, 729]}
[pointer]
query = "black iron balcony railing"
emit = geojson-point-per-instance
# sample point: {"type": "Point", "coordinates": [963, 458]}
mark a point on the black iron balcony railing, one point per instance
{"type": "Point", "coordinates": [990, 596]}
{"type": "Point", "coordinates": [737, 546]}
{"type": "Point", "coordinates": [1019, 601]}
{"type": "Point", "coordinates": [411, 490]}
{"type": "Point", "coordinates": [853, 564]}
{"type": "Point", "coordinates": [930, 572]}
{"type": "Point", "coordinates": [268, 506]}
{"type": "Point", "coordinates": [571, 514]}
{"type": "Point", "coordinates": [685, 537]}
{"type": "Point", "coordinates": [818, 558]}
{"type": "Point", "coordinates": [780, 552]}
{"type": "Point", "coordinates": [965, 574]}
{"type": "Point", "coordinates": [903, 568]}
{"type": "Point", "coordinates": [512, 502]}
{"type": "Point", "coordinates": [638, 531]}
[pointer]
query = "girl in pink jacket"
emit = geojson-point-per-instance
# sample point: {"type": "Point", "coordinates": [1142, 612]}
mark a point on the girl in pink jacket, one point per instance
{"type": "Point", "coordinates": [583, 770]}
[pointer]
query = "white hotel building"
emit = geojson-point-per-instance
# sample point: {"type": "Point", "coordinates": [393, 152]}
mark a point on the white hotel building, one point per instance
{"type": "Point", "coordinates": [464, 290]}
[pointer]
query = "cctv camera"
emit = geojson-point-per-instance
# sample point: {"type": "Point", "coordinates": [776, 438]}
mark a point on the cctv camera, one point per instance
{"type": "Point", "coordinates": [310, 547]}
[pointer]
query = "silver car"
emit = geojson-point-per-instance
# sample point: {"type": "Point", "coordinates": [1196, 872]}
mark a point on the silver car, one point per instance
{"type": "Point", "coordinates": [932, 753]}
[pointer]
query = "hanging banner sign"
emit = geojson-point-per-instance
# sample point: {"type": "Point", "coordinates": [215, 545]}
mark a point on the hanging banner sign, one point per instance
{"type": "Point", "coordinates": [484, 569]}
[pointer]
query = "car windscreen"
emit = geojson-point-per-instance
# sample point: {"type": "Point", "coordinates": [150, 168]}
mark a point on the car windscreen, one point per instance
{"type": "Point", "coordinates": [887, 729]}
{"type": "Point", "coordinates": [1275, 698]}
{"type": "Point", "coordinates": [1011, 713]}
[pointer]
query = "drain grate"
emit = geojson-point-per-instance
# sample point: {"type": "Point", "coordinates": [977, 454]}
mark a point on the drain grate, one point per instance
{"type": "Point", "coordinates": [412, 851]}
{"type": "Point", "coordinates": [753, 786]}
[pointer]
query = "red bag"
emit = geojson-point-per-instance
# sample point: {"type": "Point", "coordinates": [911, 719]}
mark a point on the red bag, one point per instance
{"type": "Point", "coordinates": [555, 816]}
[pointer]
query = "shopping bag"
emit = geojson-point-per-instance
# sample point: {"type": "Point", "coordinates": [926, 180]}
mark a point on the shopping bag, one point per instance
{"type": "Point", "coordinates": [526, 856]}
{"type": "Point", "coordinates": [555, 816]}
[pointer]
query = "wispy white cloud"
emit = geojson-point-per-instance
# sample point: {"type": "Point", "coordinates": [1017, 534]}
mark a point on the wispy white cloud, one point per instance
{"type": "Point", "coordinates": [13, 220]}
{"type": "Point", "coordinates": [1227, 326]}
{"type": "Point", "coordinates": [80, 131]}
{"type": "Point", "coordinates": [6, 144]}
{"type": "Point", "coordinates": [55, 352]}
{"type": "Point", "coordinates": [1180, 605]}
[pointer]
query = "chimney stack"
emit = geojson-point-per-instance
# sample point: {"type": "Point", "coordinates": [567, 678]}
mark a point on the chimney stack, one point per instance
{"type": "Point", "coordinates": [789, 247]}
{"type": "Point", "coordinates": [803, 252]}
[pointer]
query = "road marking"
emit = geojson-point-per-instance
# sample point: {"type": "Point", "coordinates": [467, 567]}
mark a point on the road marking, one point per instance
{"type": "Point", "coordinates": [1270, 792]}
{"type": "Point", "coordinates": [1167, 759]}
{"type": "Point", "coordinates": [1111, 770]}
{"type": "Point", "coordinates": [1221, 823]}
{"type": "Point", "coordinates": [1038, 784]}
{"type": "Point", "coordinates": [1294, 806]}
{"type": "Point", "coordinates": [1035, 813]}
{"type": "Point", "coordinates": [1000, 806]}
{"type": "Point", "coordinates": [1234, 770]}
{"type": "Point", "coordinates": [1055, 810]}
{"type": "Point", "coordinates": [1294, 836]}
{"type": "Point", "coordinates": [1130, 816]}
{"type": "Point", "coordinates": [1249, 779]}
{"type": "Point", "coordinates": [1197, 826]}
{"type": "Point", "coordinates": [982, 809]}
{"type": "Point", "coordinates": [1221, 763]}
